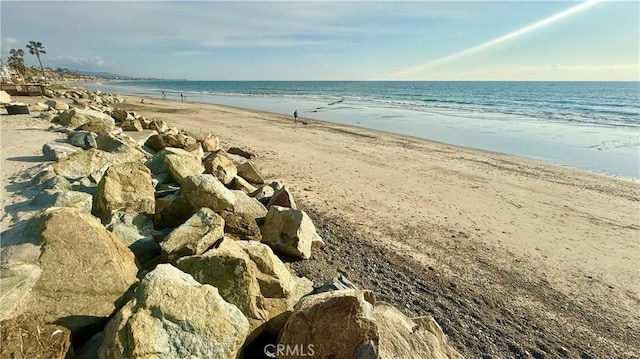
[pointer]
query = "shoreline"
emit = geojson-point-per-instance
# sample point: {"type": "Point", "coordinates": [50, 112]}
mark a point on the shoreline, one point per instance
{"type": "Point", "coordinates": [583, 146]}
{"type": "Point", "coordinates": [388, 133]}
{"type": "Point", "coordinates": [454, 227]}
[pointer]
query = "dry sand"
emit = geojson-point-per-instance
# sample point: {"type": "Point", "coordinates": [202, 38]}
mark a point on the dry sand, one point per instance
{"type": "Point", "coordinates": [516, 257]}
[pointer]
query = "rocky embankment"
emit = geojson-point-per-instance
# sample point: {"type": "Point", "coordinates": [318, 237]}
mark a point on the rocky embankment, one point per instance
{"type": "Point", "coordinates": [154, 242]}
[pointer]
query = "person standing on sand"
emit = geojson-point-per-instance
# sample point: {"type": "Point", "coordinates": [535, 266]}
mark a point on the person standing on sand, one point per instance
{"type": "Point", "coordinates": [163, 95]}
{"type": "Point", "coordinates": [181, 97]}
{"type": "Point", "coordinates": [295, 116]}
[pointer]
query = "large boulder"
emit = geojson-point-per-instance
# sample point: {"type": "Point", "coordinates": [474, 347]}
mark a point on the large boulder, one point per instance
{"type": "Point", "coordinates": [248, 205]}
{"type": "Point", "coordinates": [207, 191]}
{"type": "Point", "coordinates": [249, 275]}
{"type": "Point", "coordinates": [83, 139]}
{"type": "Point", "coordinates": [113, 144]}
{"type": "Point", "coordinates": [250, 173]}
{"type": "Point", "coordinates": [75, 118]}
{"type": "Point", "coordinates": [60, 198]}
{"type": "Point", "coordinates": [337, 324]}
{"type": "Point", "coordinates": [241, 184]}
{"type": "Point", "coordinates": [280, 289]}
{"type": "Point", "coordinates": [55, 151]}
{"type": "Point", "coordinates": [85, 269]}
{"type": "Point", "coordinates": [82, 163]}
{"type": "Point", "coordinates": [38, 106]}
{"type": "Point", "coordinates": [240, 226]}
{"type": "Point", "coordinates": [119, 115]}
{"type": "Point", "coordinates": [227, 267]}
{"type": "Point", "coordinates": [158, 142]}
{"type": "Point", "coordinates": [181, 164]}
{"type": "Point", "coordinates": [276, 281]}
{"type": "Point", "coordinates": [57, 105]}
{"type": "Point", "coordinates": [158, 125]}
{"type": "Point", "coordinates": [92, 162]}
{"type": "Point", "coordinates": [289, 231]}
{"type": "Point", "coordinates": [194, 236]}
{"type": "Point", "coordinates": [132, 124]}
{"type": "Point", "coordinates": [283, 198]}
{"type": "Point", "coordinates": [210, 143]}
{"type": "Point", "coordinates": [125, 187]}
{"type": "Point", "coordinates": [220, 166]}
{"type": "Point", "coordinates": [417, 338]}
{"type": "Point", "coordinates": [99, 127]}
{"type": "Point", "coordinates": [173, 316]}
{"type": "Point", "coordinates": [136, 231]}
{"type": "Point", "coordinates": [31, 338]}
{"type": "Point", "coordinates": [172, 211]}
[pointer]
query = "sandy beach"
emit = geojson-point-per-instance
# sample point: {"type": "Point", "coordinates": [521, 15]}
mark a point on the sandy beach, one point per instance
{"type": "Point", "coordinates": [510, 255]}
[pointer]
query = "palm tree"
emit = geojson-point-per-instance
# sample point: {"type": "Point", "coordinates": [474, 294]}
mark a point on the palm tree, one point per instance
{"type": "Point", "coordinates": [16, 60]}
{"type": "Point", "coordinates": [36, 48]}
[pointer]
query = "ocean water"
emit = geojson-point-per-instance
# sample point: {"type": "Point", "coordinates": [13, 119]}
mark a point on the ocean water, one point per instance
{"type": "Point", "coordinates": [588, 125]}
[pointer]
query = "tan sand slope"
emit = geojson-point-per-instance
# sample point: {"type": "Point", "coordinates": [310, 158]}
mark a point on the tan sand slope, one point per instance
{"type": "Point", "coordinates": [474, 215]}
{"type": "Point", "coordinates": [481, 219]}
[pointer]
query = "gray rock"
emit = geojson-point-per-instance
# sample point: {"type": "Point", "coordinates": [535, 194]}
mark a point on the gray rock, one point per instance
{"type": "Point", "coordinates": [210, 143]}
{"type": "Point", "coordinates": [55, 151]}
{"type": "Point", "coordinates": [207, 191]}
{"type": "Point", "coordinates": [220, 166]}
{"type": "Point", "coordinates": [194, 236]}
{"type": "Point", "coordinates": [57, 105]}
{"type": "Point", "coordinates": [417, 338]}
{"type": "Point", "coordinates": [173, 316]}
{"type": "Point", "coordinates": [172, 211]}
{"type": "Point", "coordinates": [181, 164]}
{"type": "Point", "coordinates": [113, 144]}
{"type": "Point", "coordinates": [72, 199]}
{"type": "Point", "coordinates": [241, 184]}
{"type": "Point", "coordinates": [77, 117]}
{"type": "Point", "coordinates": [83, 139]}
{"type": "Point", "coordinates": [289, 231]}
{"type": "Point", "coordinates": [240, 226]}
{"type": "Point", "coordinates": [283, 198]}
{"type": "Point", "coordinates": [338, 283]}
{"type": "Point", "coordinates": [55, 183]}
{"type": "Point", "coordinates": [85, 269]}
{"type": "Point", "coordinates": [248, 205]}
{"type": "Point", "coordinates": [338, 324]}
{"type": "Point", "coordinates": [159, 126]}
{"type": "Point", "coordinates": [136, 231]}
{"type": "Point", "coordinates": [132, 125]}
{"type": "Point", "coordinates": [240, 152]}
{"type": "Point", "coordinates": [125, 187]}
{"type": "Point", "coordinates": [250, 173]}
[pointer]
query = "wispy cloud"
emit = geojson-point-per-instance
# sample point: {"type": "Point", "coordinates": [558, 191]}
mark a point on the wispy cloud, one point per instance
{"type": "Point", "coordinates": [77, 62]}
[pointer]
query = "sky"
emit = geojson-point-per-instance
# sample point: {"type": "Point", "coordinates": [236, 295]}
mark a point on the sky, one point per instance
{"type": "Point", "coordinates": [333, 40]}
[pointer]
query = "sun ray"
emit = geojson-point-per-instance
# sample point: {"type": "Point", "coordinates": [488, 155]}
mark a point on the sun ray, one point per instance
{"type": "Point", "coordinates": [544, 22]}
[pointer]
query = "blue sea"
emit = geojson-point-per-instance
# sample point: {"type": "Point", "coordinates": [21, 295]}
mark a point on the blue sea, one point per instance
{"type": "Point", "coordinates": [588, 125]}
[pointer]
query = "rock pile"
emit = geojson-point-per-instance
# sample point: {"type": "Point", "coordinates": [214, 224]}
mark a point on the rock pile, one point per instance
{"type": "Point", "coordinates": [171, 247]}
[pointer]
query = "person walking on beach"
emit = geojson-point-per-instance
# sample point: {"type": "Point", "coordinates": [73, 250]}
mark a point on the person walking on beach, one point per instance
{"type": "Point", "coordinates": [295, 116]}
{"type": "Point", "coordinates": [163, 95]}
{"type": "Point", "coordinates": [181, 97]}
